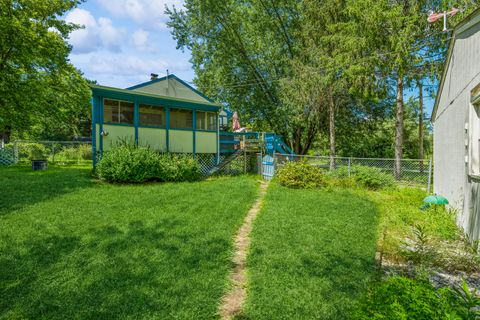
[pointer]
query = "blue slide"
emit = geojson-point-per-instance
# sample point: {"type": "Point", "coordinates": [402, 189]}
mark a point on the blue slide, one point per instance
{"type": "Point", "coordinates": [274, 143]}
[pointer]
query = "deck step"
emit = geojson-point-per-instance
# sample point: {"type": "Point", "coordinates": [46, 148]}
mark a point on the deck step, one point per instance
{"type": "Point", "coordinates": [225, 162]}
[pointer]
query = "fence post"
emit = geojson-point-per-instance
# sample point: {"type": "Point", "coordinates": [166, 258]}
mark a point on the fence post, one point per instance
{"type": "Point", "coordinates": [15, 151]}
{"type": "Point", "coordinates": [274, 164]}
{"type": "Point", "coordinates": [429, 183]}
{"type": "Point", "coordinates": [53, 153]}
{"type": "Point", "coordinates": [349, 165]}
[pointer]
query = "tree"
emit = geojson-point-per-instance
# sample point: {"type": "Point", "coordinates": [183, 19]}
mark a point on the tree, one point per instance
{"type": "Point", "coordinates": [34, 63]}
{"type": "Point", "coordinates": [387, 45]}
{"type": "Point", "coordinates": [319, 54]}
{"type": "Point", "coordinates": [69, 111]}
{"type": "Point", "coordinates": [242, 53]}
{"type": "Point", "coordinates": [420, 121]}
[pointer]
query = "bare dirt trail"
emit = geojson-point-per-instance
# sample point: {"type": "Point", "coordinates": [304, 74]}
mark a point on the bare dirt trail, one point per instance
{"type": "Point", "coordinates": [232, 301]}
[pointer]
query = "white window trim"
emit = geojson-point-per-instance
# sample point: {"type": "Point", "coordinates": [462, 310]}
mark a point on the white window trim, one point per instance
{"type": "Point", "coordinates": [472, 131]}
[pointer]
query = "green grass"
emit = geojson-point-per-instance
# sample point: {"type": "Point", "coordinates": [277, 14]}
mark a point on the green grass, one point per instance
{"type": "Point", "coordinates": [312, 254]}
{"type": "Point", "coordinates": [400, 213]}
{"type": "Point", "coordinates": [74, 248]}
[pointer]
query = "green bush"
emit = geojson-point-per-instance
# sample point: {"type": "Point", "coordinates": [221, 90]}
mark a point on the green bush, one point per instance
{"type": "Point", "coordinates": [33, 151]}
{"type": "Point", "coordinates": [364, 176]}
{"type": "Point", "coordinates": [300, 174]}
{"type": "Point", "coordinates": [127, 163]}
{"type": "Point", "coordinates": [188, 168]}
{"type": "Point", "coordinates": [404, 298]}
{"type": "Point", "coordinates": [75, 153]}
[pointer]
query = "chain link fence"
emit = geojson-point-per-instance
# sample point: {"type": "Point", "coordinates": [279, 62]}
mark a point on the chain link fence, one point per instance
{"type": "Point", "coordinates": [243, 163]}
{"type": "Point", "coordinates": [7, 155]}
{"type": "Point", "coordinates": [411, 172]}
{"type": "Point", "coordinates": [55, 152]}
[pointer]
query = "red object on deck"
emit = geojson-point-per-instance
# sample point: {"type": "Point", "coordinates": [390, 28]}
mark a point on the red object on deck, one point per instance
{"type": "Point", "coordinates": [236, 122]}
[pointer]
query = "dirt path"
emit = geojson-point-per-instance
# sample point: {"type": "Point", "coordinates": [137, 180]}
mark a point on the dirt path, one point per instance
{"type": "Point", "coordinates": [232, 301]}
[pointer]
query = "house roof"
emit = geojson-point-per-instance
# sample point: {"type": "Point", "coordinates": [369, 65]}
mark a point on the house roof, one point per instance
{"type": "Point", "coordinates": [469, 21]}
{"type": "Point", "coordinates": [171, 76]}
{"type": "Point", "coordinates": [117, 93]}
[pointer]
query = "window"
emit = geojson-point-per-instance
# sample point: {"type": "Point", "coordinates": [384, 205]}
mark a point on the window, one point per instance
{"type": "Point", "coordinates": [152, 115]}
{"type": "Point", "coordinates": [223, 122]}
{"type": "Point", "coordinates": [473, 132]}
{"type": "Point", "coordinates": [206, 121]}
{"type": "Point", "coordinates": [181, 119]}
{"type": "Point", "coordinates": [115, 111]}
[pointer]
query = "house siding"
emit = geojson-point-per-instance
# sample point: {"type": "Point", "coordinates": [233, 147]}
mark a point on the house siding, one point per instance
{"type": "Point", "coordinates": [180, 141]}
{"type": "Point", "coordinates": [173, 89]}
{"type": "Point", "coordinates": [206, 142]}
{"type": "Point", "coordinates": [451, 134]}
{"type": "Point", "coordinates": [153, 137]}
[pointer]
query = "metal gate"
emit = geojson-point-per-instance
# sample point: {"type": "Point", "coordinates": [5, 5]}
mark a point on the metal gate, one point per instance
{"type": "Point", "coordinates": [268, 167]}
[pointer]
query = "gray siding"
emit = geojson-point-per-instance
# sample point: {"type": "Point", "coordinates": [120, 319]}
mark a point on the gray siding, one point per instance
{"type": "Point", "coordinates": [451, 171]}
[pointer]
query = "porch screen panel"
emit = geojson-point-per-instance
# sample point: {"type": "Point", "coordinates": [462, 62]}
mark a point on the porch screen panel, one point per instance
{"type": "Point", "coordinates": [152, 115]}
{"type": "Point", "coordinates": [206, 121]}
{"type": "Point", "coordinates": [115, 111]}
{"type": "Point", "coordinates": [181, 119]}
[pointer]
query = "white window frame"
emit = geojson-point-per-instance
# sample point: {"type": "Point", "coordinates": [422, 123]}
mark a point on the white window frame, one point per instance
{"type": "Point", "coordinates": [119, 112]}
{"type": "Point", "coordinates": [473, 139]}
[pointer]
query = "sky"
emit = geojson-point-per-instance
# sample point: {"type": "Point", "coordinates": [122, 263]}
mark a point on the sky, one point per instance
{"type": "Point", "coordinates": [123, 41]}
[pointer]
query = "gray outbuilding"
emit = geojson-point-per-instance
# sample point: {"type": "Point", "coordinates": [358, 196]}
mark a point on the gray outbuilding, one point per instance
{"type": "Point", "coordinates": [456, 126]}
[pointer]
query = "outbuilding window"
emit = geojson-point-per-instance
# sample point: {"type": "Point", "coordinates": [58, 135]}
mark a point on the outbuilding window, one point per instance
{"type": "Point", "coordinates": [472, 131]}
{"type": "Point", "coordinates": [152, 115]}
{"type": "Point", "coordinates": [181, 119]}
{"type": "Point", "coordinates": [206, 121]}
{"type": "Point", "coordinates": [115, 111]}
{"type": "Point", "coordinates": [474, 140]}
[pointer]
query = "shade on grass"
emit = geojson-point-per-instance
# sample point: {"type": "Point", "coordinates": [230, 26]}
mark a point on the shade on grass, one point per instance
{"type": "Point", "coordinates": [72, 248]}
{"type": "Point", "coordinates": [312, 254]}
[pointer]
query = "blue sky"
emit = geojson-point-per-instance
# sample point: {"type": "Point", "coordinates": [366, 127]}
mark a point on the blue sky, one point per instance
{"type": "Point", "coordinates": [124, 41]}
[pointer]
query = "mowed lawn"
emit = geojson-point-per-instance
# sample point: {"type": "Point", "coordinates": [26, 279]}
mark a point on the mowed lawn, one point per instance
{"type": "Point", "coordinates": [74, 248]}
{"type": "Point", "coordinates": [312, 254]}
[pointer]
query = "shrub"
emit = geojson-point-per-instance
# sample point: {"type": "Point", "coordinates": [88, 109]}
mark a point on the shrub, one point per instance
{"type": "Point", "coordinates": [364, 176]}
{"type": "Point", "coordinates": [300, 174]}
{"type": "Point", "coordinates": [466, 301]}
{"type": "Point", "coordinates": [188, 168]}
{"type": "Point", "coordinates": [128, 163]}
{"type": "Point", "coordinates": [404, 298]}
{"type": "Point", "coordinates": [33, 151]}
{"type": "Point", "coordinates": [75, 154]}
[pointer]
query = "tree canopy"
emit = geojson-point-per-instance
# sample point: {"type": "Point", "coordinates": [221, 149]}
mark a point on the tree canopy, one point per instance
{"type": "Point", "coordinates": [41, 93]}
{"type": "Point", "coordinates": [317, 71]}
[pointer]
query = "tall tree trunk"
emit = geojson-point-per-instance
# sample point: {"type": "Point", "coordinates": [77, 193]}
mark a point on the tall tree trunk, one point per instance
{"type": "Point", "coordinates": [331, 127]}
{"type": "Point", "coordinates": [399, 129]}
{"type": "Point", "coordinates": [6, 134]}
{"type": "Point", "coordinates": [297, 148]}
{"type": "Point", "coordinates": [420, 121]}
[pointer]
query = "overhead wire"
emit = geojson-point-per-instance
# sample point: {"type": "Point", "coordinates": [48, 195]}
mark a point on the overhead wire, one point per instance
{"type": "Point", "coordinates": [414, 49]}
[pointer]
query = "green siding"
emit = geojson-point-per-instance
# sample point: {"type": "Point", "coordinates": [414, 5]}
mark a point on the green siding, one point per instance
{"type": "Point", "coordinates": [206, 142]}
{"type": "Point", "coordinates": [97, 140]}
{"type": "Point", "coordinates": [181, 141]}
{"type": "Point", "coordinates": [117, 133]}
{"type": "Point", "coordinates": [153, 137]}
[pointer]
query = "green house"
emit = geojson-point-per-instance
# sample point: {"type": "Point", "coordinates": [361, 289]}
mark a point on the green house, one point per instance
{"type": "Point", "coordinates": [165, 114]}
